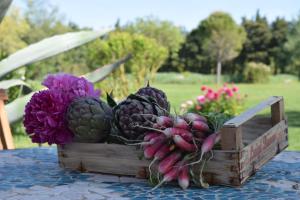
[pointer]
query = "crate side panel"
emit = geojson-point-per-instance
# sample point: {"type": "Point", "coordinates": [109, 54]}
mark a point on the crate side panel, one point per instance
{"type": "Point", "coordinates": [222, 169]}
{"type": "Point", "coordinates": [103, 158]}
{"type": "Point", "coordinates": [255, 155]}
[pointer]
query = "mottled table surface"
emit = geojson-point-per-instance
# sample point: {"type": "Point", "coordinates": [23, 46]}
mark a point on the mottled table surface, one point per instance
{"type": "Point", "coordinates": [34, 174]}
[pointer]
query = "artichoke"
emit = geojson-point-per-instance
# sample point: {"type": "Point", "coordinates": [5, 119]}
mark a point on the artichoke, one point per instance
{"type": "Point", "coordinates": [134, 113]}
{"type": "Point", "coordinates": [158, 95]}
{"type": "Point", "coordinates": [89, 119]}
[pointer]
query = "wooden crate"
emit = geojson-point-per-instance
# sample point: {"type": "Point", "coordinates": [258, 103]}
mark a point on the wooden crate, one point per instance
{"type": "Point", "coordinates": [248, 141]}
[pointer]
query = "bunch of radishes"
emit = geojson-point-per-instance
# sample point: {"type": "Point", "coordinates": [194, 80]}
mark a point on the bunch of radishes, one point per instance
{"type": "Point", "coordinates": [172, 141]}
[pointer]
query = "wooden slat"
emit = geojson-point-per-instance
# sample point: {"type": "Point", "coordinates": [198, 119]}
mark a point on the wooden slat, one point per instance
{"type": "Point", "coordinates": [239, 120]}
{"type": "Point", "coordinates": [5, 132]}
{"type": "Point", "coordinates": [257, 147]}
{"type": "Point", "coordinates": [254, 128]}
{"type": "Point", "coordinates": [263, 158]}
{"type": "Point", "coordinates": [277, 112]}
{"type": "Point", "coordinates": [103, 158]}
{"type": "Point", "coordinates": [231, 138]}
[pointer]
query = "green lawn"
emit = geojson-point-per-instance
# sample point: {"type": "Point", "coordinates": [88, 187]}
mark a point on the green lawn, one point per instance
{"type": "Point", "coordinates": [184, 87]}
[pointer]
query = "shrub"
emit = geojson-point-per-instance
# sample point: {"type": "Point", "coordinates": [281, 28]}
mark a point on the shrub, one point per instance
{"type": "Point", "coordinates": [225, 100]}
{"type": "Point", "coordinates": [256, 73]}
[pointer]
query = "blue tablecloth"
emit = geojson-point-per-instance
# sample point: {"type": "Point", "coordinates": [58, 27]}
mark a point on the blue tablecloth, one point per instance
{"type": "Point", "coordinates": [34, 174]}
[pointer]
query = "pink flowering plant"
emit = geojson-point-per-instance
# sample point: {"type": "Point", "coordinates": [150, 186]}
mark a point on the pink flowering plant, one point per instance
{"type": "Point", "coordinates": [44, 118]}
{"type": "Point", "coordinates": [225, 100]}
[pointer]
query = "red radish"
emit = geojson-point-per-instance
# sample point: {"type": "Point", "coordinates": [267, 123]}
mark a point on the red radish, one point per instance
{"type": "Point", "coordinates": [162, 152]}
{"type": "Point", "coordinates": [190, 117]}
{"type": "Point", "coordinates": [156, 126]}
{"type": "Point", "coordinates": [171, 175]}
{"type": "Point", "coordinates": [184, 145]}
{"type": "Point", "coordinates": [161, 121]}
{"type": "Point", "coordinates": [207, 145]}
{"type": "Point", "coordinates": [166, 164]}
{"type": "Point", "coordinates": [183, 177]}
{"type": "Point", "coordinates": [209, 142]}
{"type": "Point", "coordinates": [158, 139]}
{"type": "Point", "coordinates": [164, 121]}
{"type": "Point", "coordinates": [200, 126]}
{"type": "Point", "coordinates": [180, 123]}
{"type": "Point", "coordinates": [170, 132]}
{"type": "Point", "coordinates": [154, 140]}
{"type": "Point", "coordinates": [150, 135]}
{"type": "Point", "coordinates": [150, 150]}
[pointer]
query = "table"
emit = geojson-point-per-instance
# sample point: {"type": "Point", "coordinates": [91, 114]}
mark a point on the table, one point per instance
{"type": "Point", "coordinates": [34, 174]}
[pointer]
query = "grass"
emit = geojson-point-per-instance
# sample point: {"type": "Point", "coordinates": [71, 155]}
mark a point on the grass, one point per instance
{"type": "Point", "coordinates": [180, 88]}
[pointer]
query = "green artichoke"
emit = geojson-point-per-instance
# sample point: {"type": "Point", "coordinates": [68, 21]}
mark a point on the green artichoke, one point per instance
{"type": "Point", "coordinates": [158, 95]}
{"type": "Point", "coordinates": [89, 119]}
{"type": "Point", "coordinates": [134, 113]}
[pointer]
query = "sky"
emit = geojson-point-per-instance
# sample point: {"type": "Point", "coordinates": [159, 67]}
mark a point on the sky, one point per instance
{"type": "Point", "coordinates": [186, 13]}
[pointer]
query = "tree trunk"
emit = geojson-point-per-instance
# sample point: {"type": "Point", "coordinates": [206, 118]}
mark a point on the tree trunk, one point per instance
{"type": "Point", "coordinates": [219, 70]}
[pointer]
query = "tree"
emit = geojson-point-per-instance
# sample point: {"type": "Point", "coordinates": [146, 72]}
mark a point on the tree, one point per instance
{"type": "Point", "coordinates": [257, 44]}
{"type": "Point", "coordinates": [164, 32]}
{"type": "Point", "coordinates": [223, 39]}
{"type": "Point", "coordinates": [191, 54]}
{"type": "Point", "coordinates": [147, 58]}
{"type": "Point", "coordinates": [293, 47]}
{"type": "Point", "coordinates": [12, 31]}
{"type": "Point", "coordinates": [46, 20]}
{"type": "Point", "coordinates": [280, 29]}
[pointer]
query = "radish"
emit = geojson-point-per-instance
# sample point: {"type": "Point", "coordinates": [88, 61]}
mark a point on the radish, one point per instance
{"type": "Point", "coordinates": [207, 145]}
{"type": "Point", "coordinates": [150, 135]}
{"type": "Point", "coordinates": [180, 123]}
{"type": "Point", "coordinates": [200, 126]}
{"type": "Point", "coordinates": [161, 121]}
{"type": "Point", "coordinates": [190, 117]}
{"type": "Point", "coordinates": [183, 177]}
{"type": "Point", "coordinates": [171, 175]}
{"type": "Point", "coordinates": [150, 150]}
{"type": "Point", "coordinates": [164, 121]}
{"type": "Point", "coordinates": [152, 141]}
{"type": "Point", "coordinates": [166, 164]}
{"type": "Point", "coordinates": [184, 145]}
{"type": "Point", "coordinates": [162, 152]}
{"type": "Point", "coordinates": [209, 142]}
{"type": "Point", "coordinates": [170, 132]}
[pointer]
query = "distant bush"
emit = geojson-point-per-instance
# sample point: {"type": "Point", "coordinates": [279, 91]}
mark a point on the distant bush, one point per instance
{"type": "Point", "coordinates": [187, 78]}
{"type": "Point", "coordinates": [256, 73]}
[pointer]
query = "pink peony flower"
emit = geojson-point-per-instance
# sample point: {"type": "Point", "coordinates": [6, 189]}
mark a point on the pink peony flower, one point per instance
{"type": "Point", "coordinates": [44, 114]}
{"type": "Point", "coordinates": [229, 92]}
{"type": "Point", "coordinates": [44, 117]}
{"type": "Point", "coordinates": [235, 89]}
{"type": "Point", "coordinates": [216, 95]}
{"type": "Point", "coordinates": [209, 90]}
{"type": "Point", "coordinates": [74, 86]}
{"type": "Point", "coordinates": [203, 87]}
{"type": "Point", "coordinates": [201, 99]}
{"type": "Point", "coordinates": [210, 95]}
